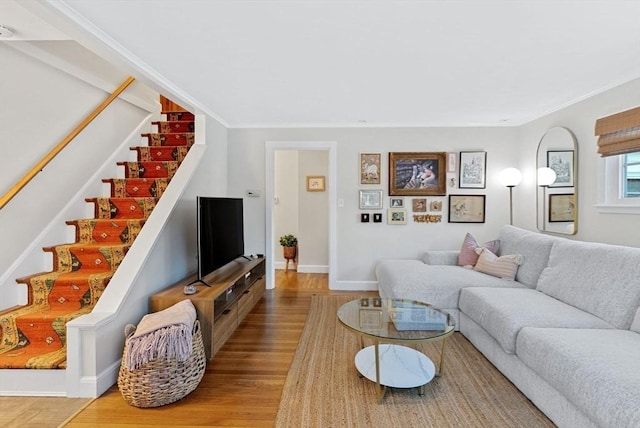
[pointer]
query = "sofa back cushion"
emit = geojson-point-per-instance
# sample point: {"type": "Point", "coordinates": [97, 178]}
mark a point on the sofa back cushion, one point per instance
{"type": "Point", "coordinates": [598, 278]}
{"type": "Point", "coordinates": [534, 249]}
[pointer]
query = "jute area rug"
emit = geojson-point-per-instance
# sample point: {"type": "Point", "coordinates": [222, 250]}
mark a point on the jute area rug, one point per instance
{"type": "Point", "coordinates": [323, 388]}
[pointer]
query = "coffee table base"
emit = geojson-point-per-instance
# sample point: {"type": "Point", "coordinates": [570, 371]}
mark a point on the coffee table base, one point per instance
{"type": "Point", "coordinates": [399, 366]}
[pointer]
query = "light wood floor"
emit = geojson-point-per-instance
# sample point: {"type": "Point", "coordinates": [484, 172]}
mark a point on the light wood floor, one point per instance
{"type": "Point", "coordinates": [242, 385]}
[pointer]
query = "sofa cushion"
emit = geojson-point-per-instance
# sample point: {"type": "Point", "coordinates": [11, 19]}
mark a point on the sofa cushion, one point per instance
{"type": "Point", "coordinates": [597, 370]}
{"type": "Point", "coordinates": [503, 312]}
{"type": "Point", "coordinates": [468, 255]}
{"type": "Point", "coordinates": [598, 278]}
{"type": "Point", "coordinates": [504, 267]}
{"type": "Point", "coordinates": [438, 285]}
{"type": "Point", "coordinates": [534, 248]}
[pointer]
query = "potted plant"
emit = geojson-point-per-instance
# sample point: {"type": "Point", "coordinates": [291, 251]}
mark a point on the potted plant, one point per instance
{"type": "Point", "coordinates": [289, 244]}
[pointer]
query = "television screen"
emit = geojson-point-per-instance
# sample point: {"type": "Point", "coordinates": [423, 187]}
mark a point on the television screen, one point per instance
{"type": "Point", "coordinates": [220, 233]}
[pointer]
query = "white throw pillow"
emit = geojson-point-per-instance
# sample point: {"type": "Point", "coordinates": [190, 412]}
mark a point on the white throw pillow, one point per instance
{"type": "Point", "coordinates": [503, 267]}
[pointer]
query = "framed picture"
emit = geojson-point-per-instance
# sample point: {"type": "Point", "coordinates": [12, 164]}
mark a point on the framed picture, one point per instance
{"type": "Point", "coordinates": [370, 199]}
{"type": "Point", "coordinates": [377, 217]}
{"type": "Point", "coordinates": [473, 170]}
{"type": "Point", "coordinates": [419, 205]}
{"type": "Point", "coordinates": [466, 208]}
{"type": "Point", "coordinates": [562, 207]}
{"type": "Point", "coordinates": [452, 159]}
{"type": "Point", "coordinates": [435, 206]}
{"type": "Point", "coordinates": [396, 202]}
{"type": "Point", "coordinates": [417, 174]}
{"type": "Point", "coordinates": [561, 162]}
{"type": "Point", "coordinates": [396, 216]}
{"type": "Point", "coordinates": [364, 218]}
{"type": "Point", "coordinates": [315, 183]}
{"type": "Point", "coordinates": [370, 168]}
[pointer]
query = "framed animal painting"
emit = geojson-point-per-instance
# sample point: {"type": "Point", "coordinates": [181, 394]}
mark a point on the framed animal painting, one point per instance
{"type": "Point", "coordinates": [370, 168]}
{"type": "Point", "coordinates": [417, 174]}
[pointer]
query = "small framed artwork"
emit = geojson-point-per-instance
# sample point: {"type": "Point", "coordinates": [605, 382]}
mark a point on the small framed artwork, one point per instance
{"type": "Point", "coordinates": [364, 218]}
{"type": "Point", "coordinates": [396, 202]}
{"type": "Point", "coordinates": [315, 183]}
{"type": "Point", "coordinates": [419, 205]}
{"type": "Point", "coordinates": [452, 159]}
{"type": "Point", "coordinates": [435, 206]}
{"type": "Point", "coordinates": [562, 207]}
{"type": "Point", "coordinates": [473, 170]}
{"type": "Point", "coordinates": [370, 199]}
{"type": "Point", "coordinates": [396, 216]}
{"type": "Point", "coordinates": [561, 162]}
{"type": "Point", "coordinates": [370, 168]}
{"type": "Point", "coordinates": [417, 174]}
{"type": "Point", "coordinates": [377, 217]}
{"type": "Point", "coordinates": [466, 208]}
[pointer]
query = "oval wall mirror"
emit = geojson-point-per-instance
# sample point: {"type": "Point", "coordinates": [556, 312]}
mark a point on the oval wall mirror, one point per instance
{"type": "Point", "coordinates": [557, 182]}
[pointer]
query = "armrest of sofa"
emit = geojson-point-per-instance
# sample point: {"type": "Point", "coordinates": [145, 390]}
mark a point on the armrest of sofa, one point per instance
{"type": "Point", "coordinates": [441, 257]}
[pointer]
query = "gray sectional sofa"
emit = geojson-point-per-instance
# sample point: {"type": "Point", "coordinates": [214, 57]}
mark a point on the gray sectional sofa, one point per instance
{"type": "Point", "coordinates": [565, 331]}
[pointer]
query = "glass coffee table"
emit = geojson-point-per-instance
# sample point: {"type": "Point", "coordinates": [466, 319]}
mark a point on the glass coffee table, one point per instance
{"type": "Point", "coordinates": [391, 324]}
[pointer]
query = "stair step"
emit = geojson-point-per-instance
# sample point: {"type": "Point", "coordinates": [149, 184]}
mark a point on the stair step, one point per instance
{"type": "Point", "coordinates": [87, 257]}
{"type": "Point", "coordinates": [161, 153]}
{"type": "Point", "coordinates": [137, 187]}
{"type": "Point", "coordinates": [90, 285]}
{"type": "Point", "coordinates": [150, 169]}
{"type": "Point", "coordinates": [176, 139]}
{"type": "Point", "coordinates": [122, 208]}
{"type": "Point", "coordinates": [173, 126]}
{"type": "Point", "coordinates": [101, 231]}
{"type": "Point", "coordinates": [178, 115]}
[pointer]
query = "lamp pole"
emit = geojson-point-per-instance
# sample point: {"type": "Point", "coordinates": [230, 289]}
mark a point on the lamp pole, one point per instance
{"type": "Point", "coordinates": [511, 204]}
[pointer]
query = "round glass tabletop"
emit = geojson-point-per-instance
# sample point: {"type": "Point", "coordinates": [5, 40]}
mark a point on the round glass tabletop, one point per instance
{"type": "Point", "coordinates": [395, 319]}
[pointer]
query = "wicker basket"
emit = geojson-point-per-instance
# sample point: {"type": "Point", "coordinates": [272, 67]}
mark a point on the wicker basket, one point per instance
{"type": "Point", "coordinates": [162, 381]}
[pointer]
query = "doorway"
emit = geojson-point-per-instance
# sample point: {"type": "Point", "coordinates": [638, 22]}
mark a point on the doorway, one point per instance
{"type": "Point", "coordinates": [272, 244]}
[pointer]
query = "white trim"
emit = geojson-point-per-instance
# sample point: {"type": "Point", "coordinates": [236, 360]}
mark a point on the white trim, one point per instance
{"type": "Point", "coordinates": [270, 148]}
{"type": "Point", "coordinates": [610, 189]}
{"type": "Point", "coordinates": [33, 383]}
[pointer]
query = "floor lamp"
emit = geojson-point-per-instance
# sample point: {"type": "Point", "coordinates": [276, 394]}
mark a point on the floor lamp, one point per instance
{"type": "Point", "coordinates": [546, 177]}
{"type": "Point", "coordinates": [511, 177]}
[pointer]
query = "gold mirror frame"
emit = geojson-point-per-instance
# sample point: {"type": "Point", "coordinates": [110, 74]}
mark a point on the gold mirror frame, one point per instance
{"type": "Point", "coordinates": [557, 203]}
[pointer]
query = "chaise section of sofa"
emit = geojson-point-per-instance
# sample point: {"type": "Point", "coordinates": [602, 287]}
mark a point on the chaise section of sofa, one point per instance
{"type": "Point", "coordinates": [566, 331]}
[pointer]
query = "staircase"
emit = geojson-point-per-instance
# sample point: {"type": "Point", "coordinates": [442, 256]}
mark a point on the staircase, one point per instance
{"type": "Point", "coordinates": [34, 336]}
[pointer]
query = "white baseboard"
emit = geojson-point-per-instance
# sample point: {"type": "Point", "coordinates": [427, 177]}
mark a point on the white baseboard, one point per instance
{"type": "Point", "coordinates": [303, 268]}
{"type": "Point", "coordinates": [33, 383]}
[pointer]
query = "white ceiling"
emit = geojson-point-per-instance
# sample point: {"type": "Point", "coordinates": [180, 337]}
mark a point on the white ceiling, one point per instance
{"type": "Point", "coordinates": [363, 63]}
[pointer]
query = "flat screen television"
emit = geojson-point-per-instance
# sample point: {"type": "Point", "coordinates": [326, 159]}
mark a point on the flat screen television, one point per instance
{"type": "Point", "coordinates": [220, 233]}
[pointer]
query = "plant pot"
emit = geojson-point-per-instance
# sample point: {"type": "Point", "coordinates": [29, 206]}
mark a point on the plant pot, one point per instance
{"type": "Point", "coordinates": [289, 252]}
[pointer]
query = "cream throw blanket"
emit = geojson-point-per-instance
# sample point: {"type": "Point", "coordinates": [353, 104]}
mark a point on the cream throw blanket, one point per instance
{"type": "Point", "coordinates": [164, 334]}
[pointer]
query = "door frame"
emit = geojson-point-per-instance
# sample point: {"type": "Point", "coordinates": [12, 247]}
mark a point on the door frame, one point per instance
{"type": "Point", "coordinates": [270, 148]}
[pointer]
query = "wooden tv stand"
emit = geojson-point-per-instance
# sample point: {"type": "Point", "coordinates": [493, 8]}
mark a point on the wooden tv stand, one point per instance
{"type": "Point", "coordinates": [234, 290]}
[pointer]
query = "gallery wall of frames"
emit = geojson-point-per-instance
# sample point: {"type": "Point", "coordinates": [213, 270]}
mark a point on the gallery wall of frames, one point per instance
{"type": "Point", "coordinates": [419, 185]}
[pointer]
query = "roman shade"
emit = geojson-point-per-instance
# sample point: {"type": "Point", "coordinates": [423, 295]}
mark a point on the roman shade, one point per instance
{"type": "Point", "coordinates": [619, 133]}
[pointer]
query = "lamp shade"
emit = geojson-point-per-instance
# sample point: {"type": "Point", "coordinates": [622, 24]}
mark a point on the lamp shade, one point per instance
{"type": "Point", "coordinates": [546, 176]}
{"type": "Point", "coordinates": [510, 177]}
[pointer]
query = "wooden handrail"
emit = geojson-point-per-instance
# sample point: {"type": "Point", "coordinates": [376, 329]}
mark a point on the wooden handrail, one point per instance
{"type": "Point", "coordinates": [62, 144]}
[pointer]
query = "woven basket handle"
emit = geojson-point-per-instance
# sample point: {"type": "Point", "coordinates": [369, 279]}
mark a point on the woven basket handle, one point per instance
{"type": "Point", "coordinates": [196, 327]}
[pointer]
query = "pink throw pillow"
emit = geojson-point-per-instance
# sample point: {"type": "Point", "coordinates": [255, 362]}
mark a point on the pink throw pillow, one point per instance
{"type": "Point", "coordinates": [468, 255]}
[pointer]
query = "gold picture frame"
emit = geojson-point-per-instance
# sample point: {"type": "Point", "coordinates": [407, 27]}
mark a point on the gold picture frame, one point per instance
{"type": "Point", "coordinates": [316, 183]}
{"type": "Point", "coordinates": [417, 174]}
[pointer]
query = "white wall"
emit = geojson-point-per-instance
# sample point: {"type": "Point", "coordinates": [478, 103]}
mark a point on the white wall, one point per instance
{"type": "Point", "coordinates": [622, 229]}
{"type": "Point", "coordinates": [299, 212]}
{"type": "Point", "coordinates": [285, 206]}
{"type": "Point", "coordinates": [39, 105]}
{"type": "Point", "coordinates": [313, 212]}
{"type": "Point", "coordinates": [361, 245]}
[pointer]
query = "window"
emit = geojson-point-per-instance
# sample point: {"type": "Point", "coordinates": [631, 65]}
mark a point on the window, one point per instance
{"type": "Point", "coordinates": [619, 187]}
{"type": "Point", "coordinates": [630, 175]}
